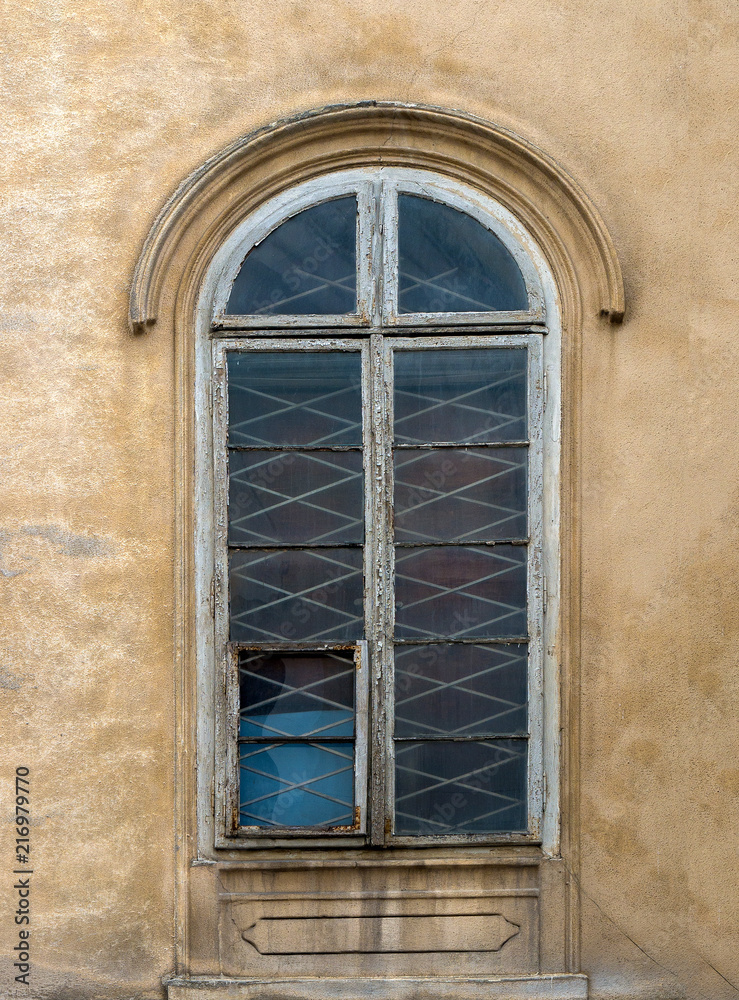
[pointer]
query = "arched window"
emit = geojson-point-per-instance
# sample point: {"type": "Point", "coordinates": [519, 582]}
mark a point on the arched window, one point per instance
{"type": "Point", "coordinates": [375, 312]}
{"type": "Point", "coordinates": [382, 344]}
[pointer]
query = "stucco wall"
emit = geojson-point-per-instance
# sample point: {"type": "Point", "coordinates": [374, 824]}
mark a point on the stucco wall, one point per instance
{"type": "Point", "coordinates": [107, 106]}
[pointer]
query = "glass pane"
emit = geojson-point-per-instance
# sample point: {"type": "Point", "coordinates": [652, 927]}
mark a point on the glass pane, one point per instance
{"type": "Point", "coordinates": [460, 690]}
{"type": "Point", "coordinates": [296, 784]}
{"type": "Point", "coordinates": [454, 495]}
{"type": "Point", "coordinates": [294, 398]}
{"type": "Point", "coordinates": [460, 396]}
{"type": "Point", "coordinates": [460, 592]}
{"type": "Point", "coordinates": [467, 787]}
{"type": "Point", "coordinates": [293, 497]}
{"type": "Point", "coordinates": [292, 594]}
{"type": "Point", "coordinates": [296, 694]}
{"type": "Point", "coordinates": [449, 262]}
{"type": "Point", "coordinates": [307, 265]}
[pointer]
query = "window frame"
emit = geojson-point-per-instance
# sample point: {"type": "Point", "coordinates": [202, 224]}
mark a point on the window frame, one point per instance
{"type": "Point", "coordinates": [504, 329]}
{"type": "Point", "coordinates": [228, 729]}
{"type": "Point", "coordinates": [377, 190]}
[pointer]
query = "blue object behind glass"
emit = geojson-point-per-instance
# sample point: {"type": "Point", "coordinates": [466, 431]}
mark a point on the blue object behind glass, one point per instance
{"type": "Point", "coordinates": [307, 698]}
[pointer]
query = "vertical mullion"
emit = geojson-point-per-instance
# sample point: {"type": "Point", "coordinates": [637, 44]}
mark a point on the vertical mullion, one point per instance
{"type": "Point", "coordinates": [535, 583]}
{"type": "Point", "coordinates": [227, 776]}
{"type": "Point", "coordinates": [380, 501]}
{"type": "Point", "coordinates": [367, 237]}
{"type": "Point", "coordinates": [369, 251]}
{"type": "Point", "coordinates": [389, 437]}
{"type": "Point", "coordinates": [389, 216]}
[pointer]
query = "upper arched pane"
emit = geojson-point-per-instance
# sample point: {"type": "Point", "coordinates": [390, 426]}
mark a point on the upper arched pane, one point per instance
{"type": "Point", "coordinates": [307, 266]}
{"type": "Point", "coordinates": [449, 262]}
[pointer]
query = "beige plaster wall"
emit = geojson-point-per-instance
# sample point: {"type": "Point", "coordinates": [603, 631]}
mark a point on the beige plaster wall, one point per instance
{"type": "Point", "coordinates": [106, 107]}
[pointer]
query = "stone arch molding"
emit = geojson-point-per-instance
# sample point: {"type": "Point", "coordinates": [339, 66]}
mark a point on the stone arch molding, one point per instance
{"type": "Point", "coordinates": [218, 196]}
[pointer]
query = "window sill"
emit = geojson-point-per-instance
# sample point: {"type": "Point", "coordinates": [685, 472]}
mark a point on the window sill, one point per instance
{"type": "Point", "coordinates": [540, 987]}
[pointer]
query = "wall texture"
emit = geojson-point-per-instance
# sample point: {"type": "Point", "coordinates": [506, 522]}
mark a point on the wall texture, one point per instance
{"type": "Point", "coordinates": [107, 106]}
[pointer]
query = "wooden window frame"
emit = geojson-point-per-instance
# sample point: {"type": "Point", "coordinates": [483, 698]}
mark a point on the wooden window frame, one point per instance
{"type": "Point", "coordinates": [377, 330]}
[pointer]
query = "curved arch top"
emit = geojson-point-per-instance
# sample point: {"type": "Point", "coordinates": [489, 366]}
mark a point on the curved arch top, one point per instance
{"type": "Point", "coordinates": [218, 196]}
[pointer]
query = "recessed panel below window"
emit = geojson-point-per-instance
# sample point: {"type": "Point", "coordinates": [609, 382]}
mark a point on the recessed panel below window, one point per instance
{"type": "Point", "coordinates": [444, 787]}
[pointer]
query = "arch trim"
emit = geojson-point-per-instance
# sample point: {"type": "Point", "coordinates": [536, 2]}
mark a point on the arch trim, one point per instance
{"type": "Point", "coordinates": [531, 184]}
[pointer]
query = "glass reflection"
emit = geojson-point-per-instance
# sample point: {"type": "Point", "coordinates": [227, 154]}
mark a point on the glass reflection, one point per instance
{"type": "Point", "coordinates": [305, 266]}
{"type": "Point", "coordinates": [460, 396]}
{"type": "Point", "coordinates": [449, 262]}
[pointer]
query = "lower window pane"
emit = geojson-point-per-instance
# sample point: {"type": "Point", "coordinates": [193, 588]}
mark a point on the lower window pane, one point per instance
{"type": "Point", "coordinates": [444, 787]}
{"type": "Point", "coordinates": [296, 784]}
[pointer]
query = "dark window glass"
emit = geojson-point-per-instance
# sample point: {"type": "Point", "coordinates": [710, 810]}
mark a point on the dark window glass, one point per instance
{"type": "Point", "coordinates": [295, 498]}
{"type": "Point", "coordinates": [301, 594]}
{"type": "Point", "coordinates": [475, 494]}
{"type": "Point", "coordinates": [460, 690]}
{"type": "Point", "coordinates": [306, 266]}
{"type": "Point", "coordinates": [460, 396]}
{"type": "Point", "coordinates": [458, 505]}
{"type": "Point", "coordinates": [294, 398]}
{"type": "Point", "coordinates": [449, 262]}
{"type": "Point", "coordinates": [474, 786]}
{"type": "Point", "coordinates": [463, 592]}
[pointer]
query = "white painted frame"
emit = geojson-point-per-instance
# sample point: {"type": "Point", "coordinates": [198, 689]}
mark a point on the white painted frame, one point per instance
{"type": "Point", "coordinates": [209, 585]}
{"type": "Point", "coordinates": [377, 190]}
{"type": "Point", "coordinates": [226, 777]}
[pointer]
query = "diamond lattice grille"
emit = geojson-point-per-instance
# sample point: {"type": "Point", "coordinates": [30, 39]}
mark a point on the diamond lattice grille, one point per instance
{"type": "Point", "coordinates": [460, 690]}
{"type": "Point", "coordinates": [296, 594]}
{"type": "Point", "coordinates": [460, 591]}
{"type": "Point", "coordinates": [460, 397]}
{"type": "Point", "coordinates": [464, 495]}
{"type": "Point", "coordinates": [296, 784]}
{"type": "Point", "coordinates": [296, 695]}
{"type": "Point", "coordinates": [465, 787]}
{"type": "Point", "coordinates": [301, 498]}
